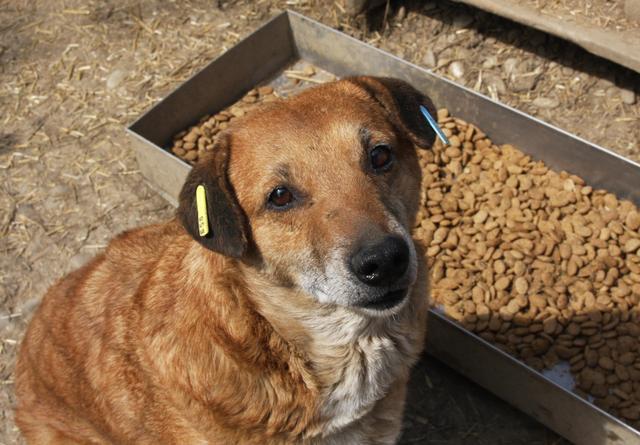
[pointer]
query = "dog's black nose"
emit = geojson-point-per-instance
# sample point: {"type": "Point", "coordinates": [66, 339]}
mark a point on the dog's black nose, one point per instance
{"type": "Point", "coordinates": [383, 263]}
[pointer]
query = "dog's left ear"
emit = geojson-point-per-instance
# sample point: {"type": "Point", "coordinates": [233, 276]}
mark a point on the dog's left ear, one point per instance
{"type": "Point", "coordinates": [402, 103]}
{"type": "Point", "coordinates": [227, 227]}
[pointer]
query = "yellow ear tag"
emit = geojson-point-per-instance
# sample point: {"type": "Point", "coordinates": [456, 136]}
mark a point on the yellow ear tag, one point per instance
{"type": "Point", "coordinates": [203, 218]}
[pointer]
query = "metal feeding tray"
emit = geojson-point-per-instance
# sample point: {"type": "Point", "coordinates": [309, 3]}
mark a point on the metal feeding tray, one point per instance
{"type": "Point", "coordinates": [291, 39]}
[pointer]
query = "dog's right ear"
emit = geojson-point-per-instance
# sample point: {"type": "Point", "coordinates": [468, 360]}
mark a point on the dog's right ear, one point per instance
{"type": "Point", "coordinates": [227, 223]}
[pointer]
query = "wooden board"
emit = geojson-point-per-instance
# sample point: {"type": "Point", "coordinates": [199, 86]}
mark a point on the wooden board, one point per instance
{"type": "Point", "coordinates": [622, 47]}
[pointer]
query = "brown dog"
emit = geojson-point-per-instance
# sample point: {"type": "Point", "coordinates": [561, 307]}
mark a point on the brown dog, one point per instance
{"type": "Point", "coordinates": [295, 320]}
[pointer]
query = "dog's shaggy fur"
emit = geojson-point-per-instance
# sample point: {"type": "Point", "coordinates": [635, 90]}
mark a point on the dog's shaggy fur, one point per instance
{"type": "Point", "coordinates": [257, 333]}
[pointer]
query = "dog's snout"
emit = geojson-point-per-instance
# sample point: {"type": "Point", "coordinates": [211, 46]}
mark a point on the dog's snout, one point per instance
{"type": "Point", "coordinates": [382, 263]}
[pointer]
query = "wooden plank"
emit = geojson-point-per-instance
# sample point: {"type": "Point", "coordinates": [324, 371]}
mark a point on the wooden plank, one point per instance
{"type": "Point", "coordinates": [622, 47]}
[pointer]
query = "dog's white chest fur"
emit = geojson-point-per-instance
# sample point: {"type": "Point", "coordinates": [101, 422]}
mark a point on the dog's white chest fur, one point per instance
{"type": "Point", "coordinates": [358, 360]}
{"type": "Point", "coordinates": [368, 368]}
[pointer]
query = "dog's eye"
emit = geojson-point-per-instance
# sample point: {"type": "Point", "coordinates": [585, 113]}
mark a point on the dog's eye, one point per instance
{"type": "Point", "coordinates": [280, 197]}
{"type": "Point", "coordinates": [381, 158]}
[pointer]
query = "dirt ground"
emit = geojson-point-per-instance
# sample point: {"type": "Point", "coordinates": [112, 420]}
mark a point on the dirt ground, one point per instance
{"type": "Point", "coordinates": [75, 73]}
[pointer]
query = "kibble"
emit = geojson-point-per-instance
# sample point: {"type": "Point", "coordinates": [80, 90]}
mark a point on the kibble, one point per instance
{"type": "Point", "coordinates": [551, 264]}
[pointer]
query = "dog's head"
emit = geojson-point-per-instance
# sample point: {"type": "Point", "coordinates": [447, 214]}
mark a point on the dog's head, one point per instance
{"type": "Point", "coordinates": [320, 191]}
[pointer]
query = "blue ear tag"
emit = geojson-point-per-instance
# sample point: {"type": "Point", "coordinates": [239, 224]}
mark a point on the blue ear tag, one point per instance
{"type": "Point", "coordinates": [434, 125]}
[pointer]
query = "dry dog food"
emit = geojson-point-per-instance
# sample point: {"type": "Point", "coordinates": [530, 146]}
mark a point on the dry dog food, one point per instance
{"type": "Point", "coordinates": [532, 260]}
{"type": "Point", "coordinates": [536, 262]}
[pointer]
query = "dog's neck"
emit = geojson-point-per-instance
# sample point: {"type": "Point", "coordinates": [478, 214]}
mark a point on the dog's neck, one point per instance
{"type": "Point", "coordinates": [354, 357]}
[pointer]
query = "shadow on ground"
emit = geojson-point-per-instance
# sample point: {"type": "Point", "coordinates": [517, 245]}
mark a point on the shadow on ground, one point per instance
{"type": "Point", "coordinates": [443, 407]}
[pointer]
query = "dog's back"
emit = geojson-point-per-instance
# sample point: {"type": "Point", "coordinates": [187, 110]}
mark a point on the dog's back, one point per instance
{"type": "Point", "coordinates": [77, 359]}
{"type": "Point", "coordinates": [138, 347]}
